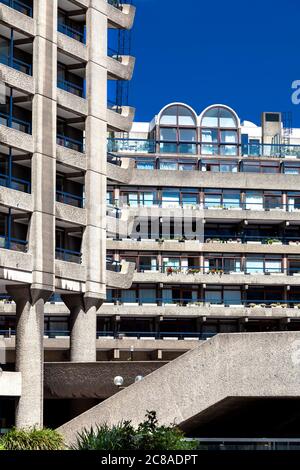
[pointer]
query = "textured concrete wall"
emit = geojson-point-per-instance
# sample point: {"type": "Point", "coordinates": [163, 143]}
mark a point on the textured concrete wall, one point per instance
{"type": "Point", "coordinates": [240, 365]}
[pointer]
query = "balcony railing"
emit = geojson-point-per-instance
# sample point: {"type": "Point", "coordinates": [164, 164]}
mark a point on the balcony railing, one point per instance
{"type": "Point", "coordinates": [271, 150]}
{"type": "Point", "coordinates": [15, 244]}
{"type": "Point", "coordinates": [19, 6]}
{"type": "Point", "coordinates": [15, 183]}
{"type": "Point", "coordinates": [116, 3]}
{"type": "Point", "coordinates": [71, 87]}
{"type": "Point", "coordinates": [173, 269]}
{"type": "Point", "coordinates": [259, 239]}
{"type": "Point", "coordinates": [207, 205]}
{"type": "Point", "coordinates": [131, 145]}
{"type": "Point", "coordinates": [156, 335]}
{"type": "Point", "coordinates": [14, 123]}
{"type": "Point", "coordinates": [204, 149]}
{"type": "Point", "coordinates": [114, 106]}
{"type": "Point", "coordinates": [114, 54]}
{"type": "Point", "coordinates": [70, 199]}
{"type": "Point", "coordinates": [70, 143]}
{"type": "Point", "coordinates": [71, 256]}
{"type": "Point", "coordinates": [202, 302]}
{"type": "Point", "coordinates": [17, 64]}
{"type": "Point", "coordinates": [72, 32]}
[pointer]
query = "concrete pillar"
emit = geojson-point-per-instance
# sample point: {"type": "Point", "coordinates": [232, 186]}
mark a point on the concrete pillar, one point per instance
{"type": "Point", "coordinates": [29, 353]}
{"type": "Point", "coordinates": [83, 324]}
{"type": "Point", "coordinates": [94, 238]}
{"type": "Point", "coordinates": [42, 225]}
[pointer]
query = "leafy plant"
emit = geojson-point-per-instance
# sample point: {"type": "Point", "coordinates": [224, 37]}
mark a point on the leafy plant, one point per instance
{"type": "Point", "coordinates": [32, 439]}
{"type": "Point", "coordinates": [123, 436]}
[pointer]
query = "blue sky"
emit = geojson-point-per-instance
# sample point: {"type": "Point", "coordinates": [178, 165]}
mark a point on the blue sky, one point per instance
{"type": "Point", "coordinates": [241, 53]}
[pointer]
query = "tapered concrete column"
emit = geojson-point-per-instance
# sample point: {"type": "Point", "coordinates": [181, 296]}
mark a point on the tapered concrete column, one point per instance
{"type": "Point", "coordinates": [94, 238]}
{"type": "Point", "coordinates": [29, 353]}
{"type": "Point", "coordinates": [42, 224]}
{"type": "Point", "coordinates": [83, 324]}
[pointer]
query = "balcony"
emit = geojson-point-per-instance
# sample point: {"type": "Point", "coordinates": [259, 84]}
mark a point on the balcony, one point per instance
{"type": "Point", "coordinates": [70, 199]}
{"type": "Point", "coordinates": [70, 87]}
{"type": "Point", "coordinates": [70, 143]}
{"type": "Point", "coordinates": [25, 7]}
{"type": "Point", "coordinates": [271, 150]}
{"type": "Point", "coordinates": [15, 112]}
{"type": "Point", "coordinates": [282, 151]}
{"type": "Point", "coordinates": [10, 243]}
{"type": "Point", "coordinates": [72, 32]}
{"type": "Point", "coordinates": [17, 64]}
{"type": "Point", "coordinates": [71, 20]}
{"type": "Point", "coordinates": [15, 183]}
{"type": "Point", "coordinates": [131, 146]}
{"type": "Point", "coordinates": [70, 256]}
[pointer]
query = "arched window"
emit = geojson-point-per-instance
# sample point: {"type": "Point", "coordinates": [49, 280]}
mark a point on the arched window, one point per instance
{"type": "Point", "coordinates": [178, 130]}
{"type": "Point", "coordinates": [219, 132]}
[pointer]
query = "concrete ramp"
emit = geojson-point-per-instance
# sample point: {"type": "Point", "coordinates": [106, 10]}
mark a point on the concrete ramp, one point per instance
{"type": "Point", "coordinates": [262, 365]}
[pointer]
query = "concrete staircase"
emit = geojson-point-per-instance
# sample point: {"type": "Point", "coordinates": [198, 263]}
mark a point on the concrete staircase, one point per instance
{"type": "Point", "coordinates": [227, 366]}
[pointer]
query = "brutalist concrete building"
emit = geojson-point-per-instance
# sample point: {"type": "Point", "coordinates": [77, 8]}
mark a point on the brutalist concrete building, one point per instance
{"type": "Point", "coordinates": [165, 253]}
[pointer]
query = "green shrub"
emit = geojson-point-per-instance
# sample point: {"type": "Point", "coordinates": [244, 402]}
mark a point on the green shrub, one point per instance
{"type": "Point", "coordinates": [123, 436]}
{"type": "Point", "coordinates": [32, 439]}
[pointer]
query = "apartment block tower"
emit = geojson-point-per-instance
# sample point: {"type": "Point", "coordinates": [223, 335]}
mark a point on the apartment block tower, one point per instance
{"type": "Point", "coordinates": [54, 120]}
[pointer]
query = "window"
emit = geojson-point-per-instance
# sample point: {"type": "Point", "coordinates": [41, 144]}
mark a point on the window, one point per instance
{"type": "Point", "coordinates": [178, 132]}
{"type": "Point", "coordinates": [293, 200]}
{"type": "Point", "coordinates": [145, 164]}
{"type": "Point", "coordinates": [217, 166]}
{"type": "Point", "coordinates": [228, 199]}
{"type": "Point", "coordinates": [219, 132]}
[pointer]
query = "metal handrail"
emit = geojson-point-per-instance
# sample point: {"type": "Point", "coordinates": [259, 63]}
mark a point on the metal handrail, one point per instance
{"type": "Point", "coordinates": [67, 196]}
{"type": "Point", "coordinates": [69, 140]}
{"type": "Point", "coordinates": [16, 63]}
{"type": "Point", "coordinates": [68, 255]}
{"type": "Point", "coordinates": [8, 118]}
{"type": "Point", "coordinates": [14, 179]}
{"type": "Point", "coordinates": [71, 87]}
{"type": "Point", "coordinates": [71, 32]}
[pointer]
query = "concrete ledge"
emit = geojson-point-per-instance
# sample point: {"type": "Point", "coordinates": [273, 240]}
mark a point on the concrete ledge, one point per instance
{"type": "Point", "coordinates": [16, 79]}
{"type": "Point", "coordinates": [10, 384]}
{"type": "Point", "coordinates": [122, 280]}
{"type": "Point", "coordinates": [196, 179]}
{"type": "Point", "coordinates": [17, 20]}
{"type": "Point", "coordinates": [69, 276]}
{"type": "Point", "coordinates": [120, 18]}
{"type": "Point", "coordinates": [16, 139]}
{"type": "Point", "coordinates": [224, 279]}
{"type": "Point", "coordinates": [70, 157]}
{"type": "Point", "coordinates": [71, 214]}
{"type": "Point", "coordinates": [15, 265]}
{"type": "Point", "coordinates": [122, 226]}
{"type": "Point", "coordinates": [120, 122]}
{"type": "Point", "coordinates": [189, 311]}
{"type": "Point", "coordinates": [72, 102]}
{"type": "Point", "coordinates": [192, 246]}
{"type": "Point", "coordinates": [121, 174]}
{"type": "Point", "coordinates": [120, 69]}
{"type": "Point", "coordinates": [16, 199]}
{"type": "Point", "coordinates": [71, 46]}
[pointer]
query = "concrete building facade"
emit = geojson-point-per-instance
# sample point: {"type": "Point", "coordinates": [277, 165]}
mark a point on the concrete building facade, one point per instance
{"type": "Point", "coordinates": [54, 119]}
